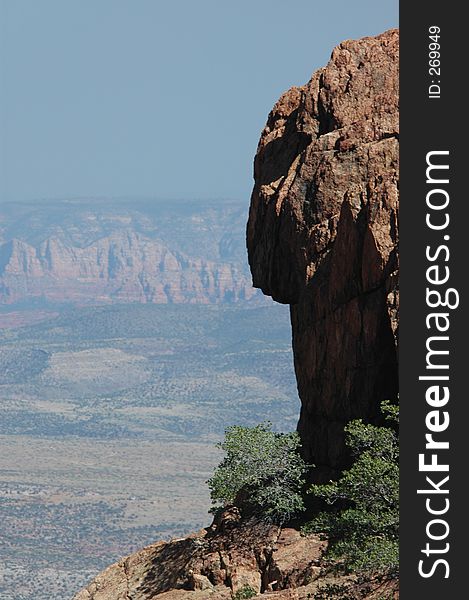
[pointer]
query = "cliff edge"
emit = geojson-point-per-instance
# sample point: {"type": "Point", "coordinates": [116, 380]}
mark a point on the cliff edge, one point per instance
{"type": "Point", "coordinates": [323, 237]}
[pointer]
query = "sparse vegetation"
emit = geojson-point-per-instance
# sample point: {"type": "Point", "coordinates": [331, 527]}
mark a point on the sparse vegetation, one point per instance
{"type": "Point", "coordinates": [363, 525]}
{"type": "Point", "coordinates": [338, 591]}
{"type": "Point", "coordinates": [244, 593]}
{"type": "Point", "coordinates": [261, 472]}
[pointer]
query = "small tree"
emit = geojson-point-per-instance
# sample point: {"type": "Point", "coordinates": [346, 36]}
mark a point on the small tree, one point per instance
{"type": "Point", "coordinates": [262, 471]}
{"type": "Point", "coordinates": [363, 526]}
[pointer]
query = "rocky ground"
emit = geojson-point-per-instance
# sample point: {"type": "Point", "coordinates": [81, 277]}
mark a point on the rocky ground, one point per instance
{"type": "Point", "coordinates": [223, 560]}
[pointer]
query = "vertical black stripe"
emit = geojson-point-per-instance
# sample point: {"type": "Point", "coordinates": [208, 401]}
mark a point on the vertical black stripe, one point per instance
{"type": "Point", "coordinates": [433, 124]}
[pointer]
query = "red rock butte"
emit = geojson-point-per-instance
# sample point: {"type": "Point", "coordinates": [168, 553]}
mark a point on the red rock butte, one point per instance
{"type": "Point", "coordinates": [323, 237]}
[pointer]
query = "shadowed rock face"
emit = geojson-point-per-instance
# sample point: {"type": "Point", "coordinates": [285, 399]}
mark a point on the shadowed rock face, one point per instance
{"type": "Point", "coordinates": [323, 232]}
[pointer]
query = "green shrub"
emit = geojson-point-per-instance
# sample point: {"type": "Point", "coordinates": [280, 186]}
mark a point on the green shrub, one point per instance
{"type": "Point", "coordinates": [363, 525]}
{"type": "Point", "coordinates": [244, 593]}
{"type": "Point", "coordinates": [338, 591]}
{"type": "Point", "coordinates": [262, 471]}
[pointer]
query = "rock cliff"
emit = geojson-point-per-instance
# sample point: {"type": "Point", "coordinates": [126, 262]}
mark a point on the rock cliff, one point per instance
{"type": "Point", "coordinates": [323, 233]}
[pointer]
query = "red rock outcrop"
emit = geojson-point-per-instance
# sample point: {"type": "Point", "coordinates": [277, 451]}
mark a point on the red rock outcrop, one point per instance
{"type": "Point", "coordinates": [220, 561]}
{"type": "Point", "coordinates": [323, 232]}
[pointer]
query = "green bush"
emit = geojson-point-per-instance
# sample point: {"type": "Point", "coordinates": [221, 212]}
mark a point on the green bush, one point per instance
{"type": "Point", "coordinates": [244, 593]}
{"type": "Point", "coordinates": [363, 525]}
{"type": "Point", "coordinates": [338, 591]}
{"type": "Point", "coordinates": [261, 472]}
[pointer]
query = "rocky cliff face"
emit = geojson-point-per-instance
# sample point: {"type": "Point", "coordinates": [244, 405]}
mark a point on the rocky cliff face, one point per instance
{"type": "Point", "coordinates": [323, 233]}
{"type": "Point", "coordinates": [117, 252]}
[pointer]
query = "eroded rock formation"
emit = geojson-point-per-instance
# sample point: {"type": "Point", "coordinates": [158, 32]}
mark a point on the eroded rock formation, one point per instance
{"type": "Point", "coordinates": [94, 252]}
{"type": "Point", "coordinates": [124, 267]}
{"type": "Point", "coordinates": [225, 559]}
{"type": "Point", "coordinates": [219, 560]}
{"type": "Point", "coordinates": [323, 233]}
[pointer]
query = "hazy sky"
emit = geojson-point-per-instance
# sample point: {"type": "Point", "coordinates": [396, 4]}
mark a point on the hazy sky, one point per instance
{"type": "Point", "coordinates": [159, 98]}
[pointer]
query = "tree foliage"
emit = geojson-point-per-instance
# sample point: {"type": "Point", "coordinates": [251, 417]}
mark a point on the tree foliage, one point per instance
{"type": "Point", "coordinates": [261, 472]}
{"type": "Point", "coordinates": [363, 525]}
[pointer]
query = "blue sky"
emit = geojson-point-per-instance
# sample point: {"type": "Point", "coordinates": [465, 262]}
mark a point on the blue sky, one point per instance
{"type": "Point", "coordinates": [166, 99]}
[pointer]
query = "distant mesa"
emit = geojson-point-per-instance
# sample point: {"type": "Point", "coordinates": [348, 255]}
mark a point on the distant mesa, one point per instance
{"type": "Point", "coordinates": [101, 252]}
